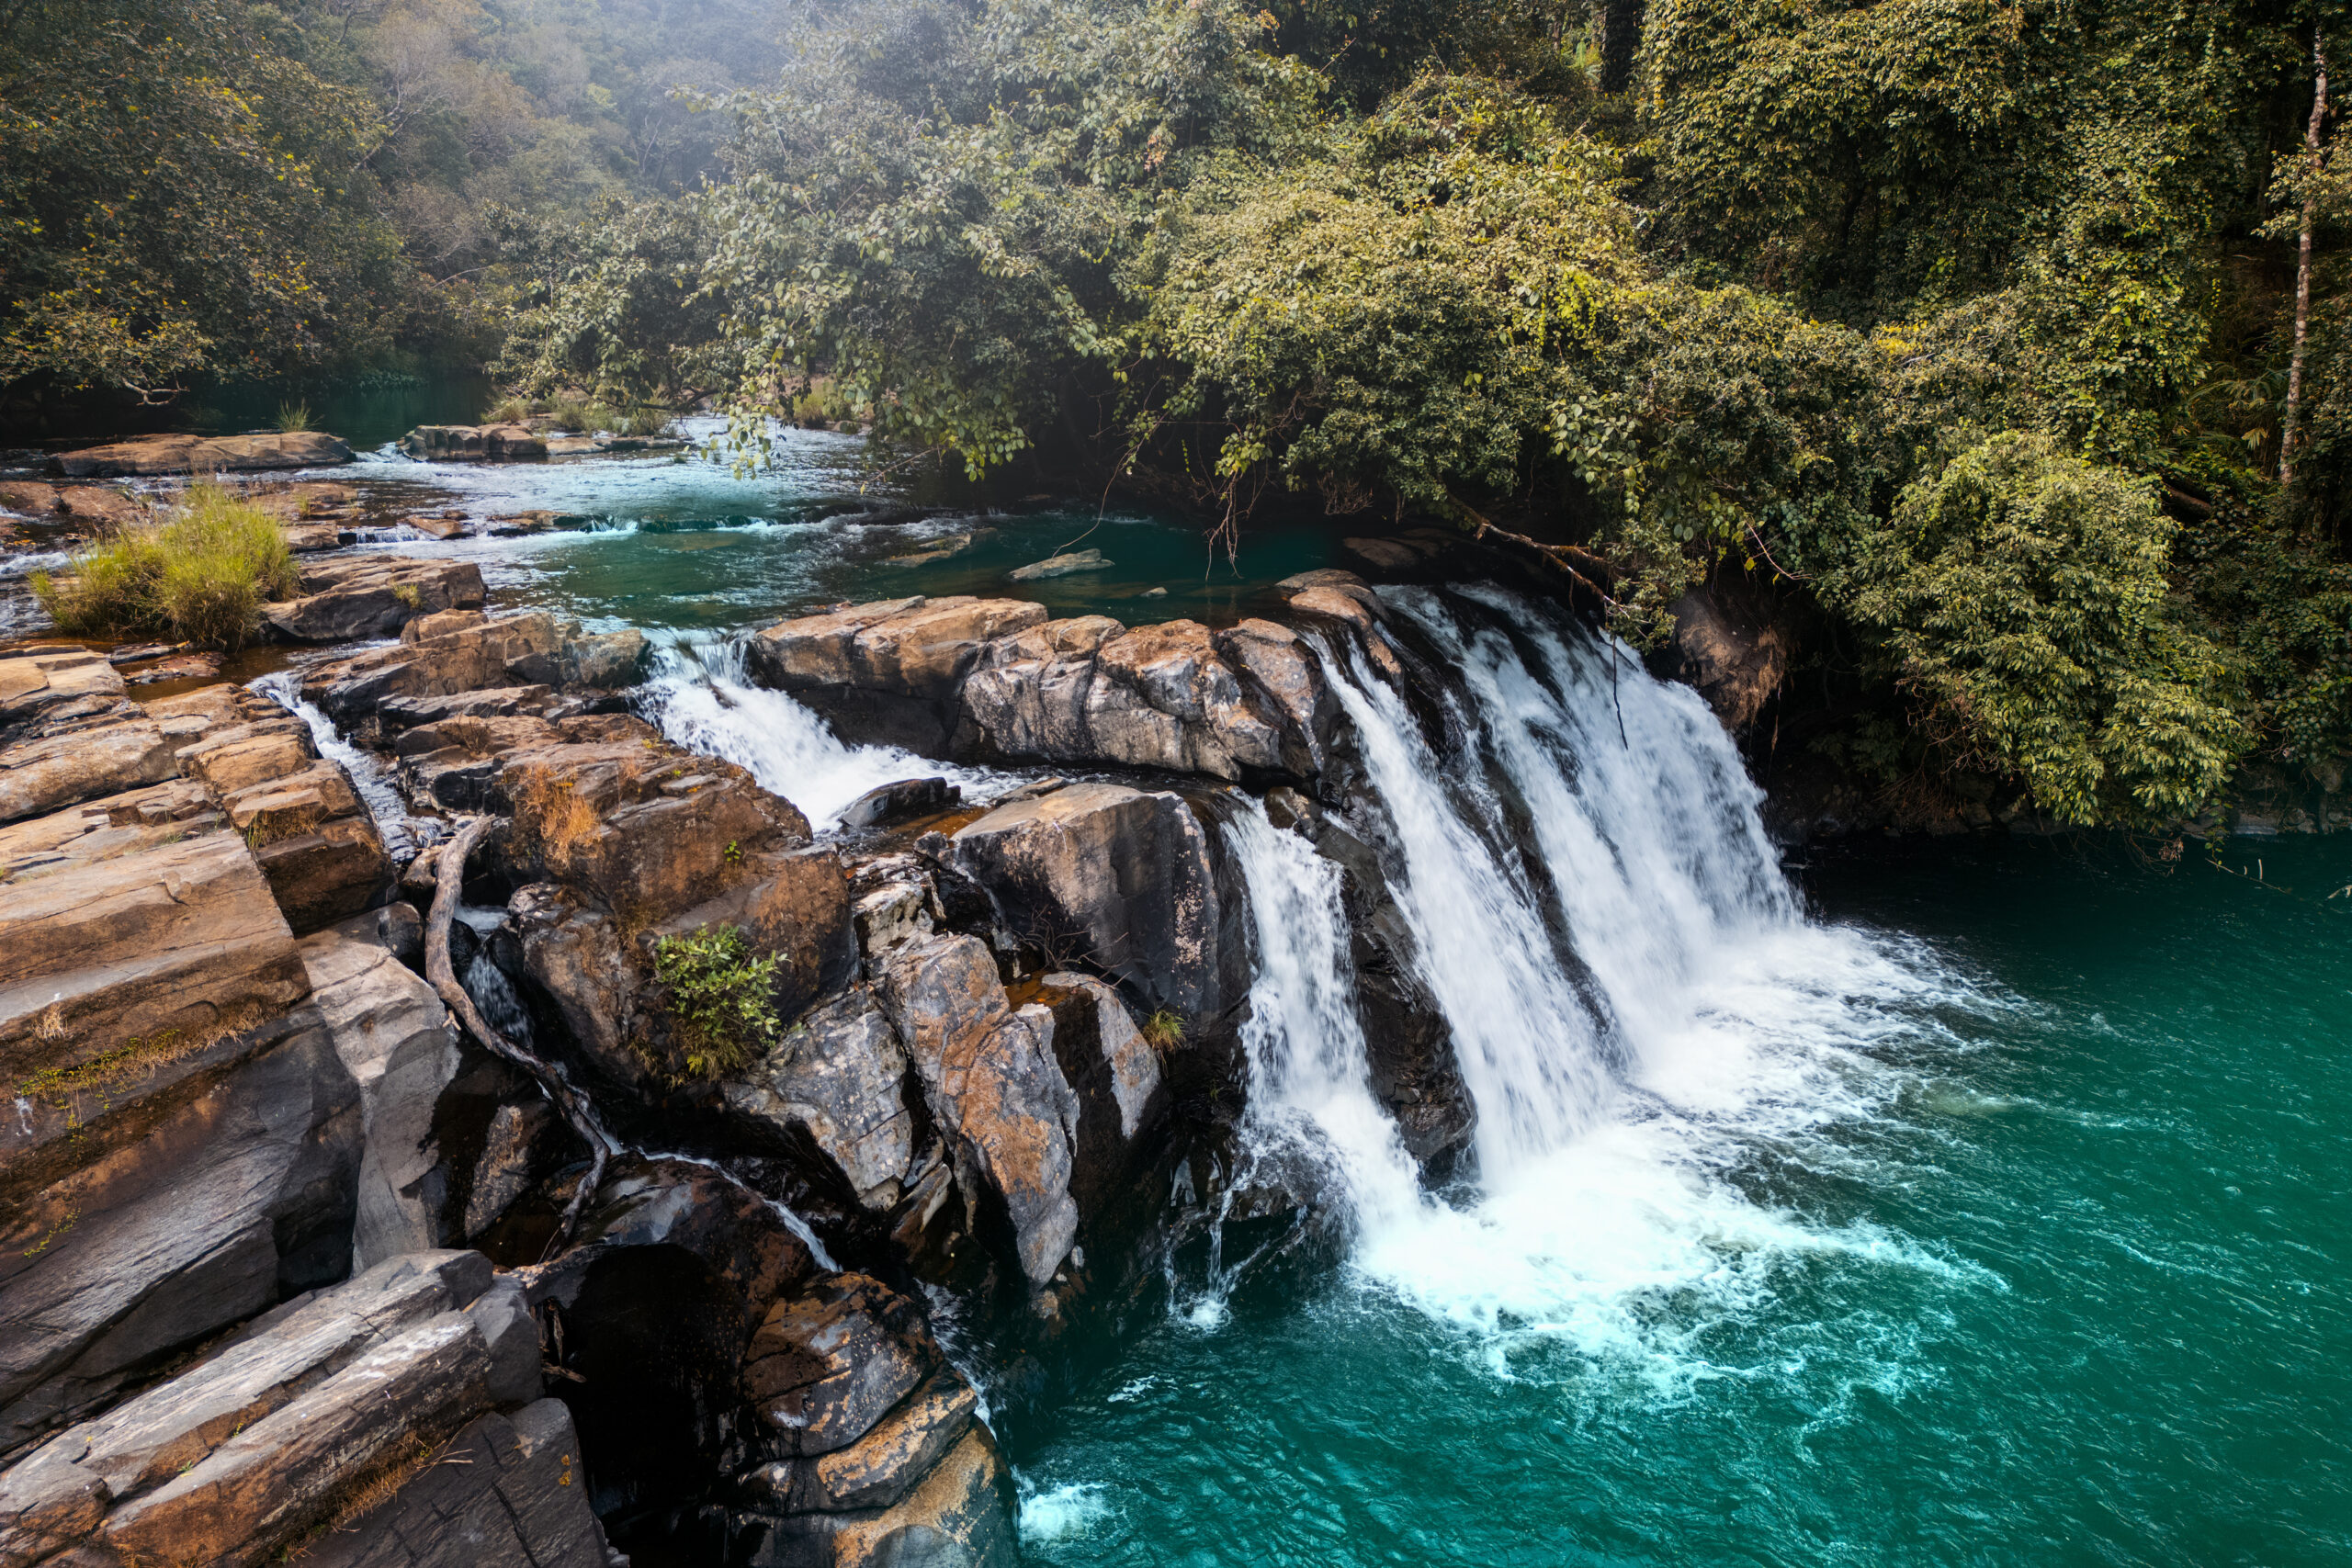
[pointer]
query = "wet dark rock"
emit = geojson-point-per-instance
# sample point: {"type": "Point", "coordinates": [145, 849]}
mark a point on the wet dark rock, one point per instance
{"type": "Point", "coordinates": [651, 1315]}
{"type": "Point", "coordinates": [1119, 880]}
{"type": "Point", "coordinates": [838, 1080]}
{"type": "Point", "coordinates": [151, 1202]}
{"type": "Point", "coordinates": [906, 801]}
{"type": "Point", "coordinates": [1731, 649]}
{"type": "Point", "coordinates": [516, 1501]}
{"type": "Point", "coordinates": [1116, 1073]}
{"type": "Point", "coordinates": [825, 1367]}
{"type": "Point", "coordinates": [960, 1515]}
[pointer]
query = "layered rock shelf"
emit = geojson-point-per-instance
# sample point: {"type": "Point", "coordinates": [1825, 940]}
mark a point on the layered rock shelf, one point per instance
{"type": "Point", "coordinates": [147, 454]}
{"type": "Point", "coordinates": [305, 1262]}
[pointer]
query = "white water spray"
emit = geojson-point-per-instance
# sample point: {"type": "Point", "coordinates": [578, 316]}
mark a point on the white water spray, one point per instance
{"type": "Point", "coordinates": [1636, 1005]}
{"type": "Point", "coordinates": [701, 699]}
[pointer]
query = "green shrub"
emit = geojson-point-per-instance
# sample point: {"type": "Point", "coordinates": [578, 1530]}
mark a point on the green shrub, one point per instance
{"type": "Point", "coordinates": [722, 999]}
{"type": "Point", "coordinates": [292, 417]}
{"type": "Point", "coordinates": [509, 411]}
{"type": "Point", "coordinates": [1164, 1031]}
{"type": "Point", "coordinates": [202, 577]}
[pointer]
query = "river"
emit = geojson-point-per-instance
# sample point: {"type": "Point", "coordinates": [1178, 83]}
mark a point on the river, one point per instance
{"type": "Point", "coordinates": [1964, 1201]}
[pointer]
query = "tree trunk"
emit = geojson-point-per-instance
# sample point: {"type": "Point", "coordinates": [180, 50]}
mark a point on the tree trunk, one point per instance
{"type": "Point", "coordinates": [2313, 154]}
{"type": "Point", "coordinates": [1621, 34]}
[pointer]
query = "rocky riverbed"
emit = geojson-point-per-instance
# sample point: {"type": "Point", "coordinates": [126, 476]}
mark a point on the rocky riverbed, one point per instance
{"type": "Point", "coordinates": [358, 1202]}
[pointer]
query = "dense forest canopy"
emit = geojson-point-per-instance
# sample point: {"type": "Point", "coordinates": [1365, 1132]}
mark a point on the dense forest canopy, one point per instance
{"type": "Point", "coordinates": [1958, 335]}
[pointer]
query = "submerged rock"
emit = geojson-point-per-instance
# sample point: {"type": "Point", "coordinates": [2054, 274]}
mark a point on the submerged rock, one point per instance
{"type": "Point", "coordinates": [906, 801]}
{"type": "Point", "coordinates": [1061, 566]}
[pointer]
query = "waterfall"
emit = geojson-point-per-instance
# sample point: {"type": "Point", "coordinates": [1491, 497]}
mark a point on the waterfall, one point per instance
{"type": "Point", "coordinates": [368, 772]}
{"type": "Point", "coordinates": [1636, 1003]}
{"type": "Point", "coordinates": [700, 698]}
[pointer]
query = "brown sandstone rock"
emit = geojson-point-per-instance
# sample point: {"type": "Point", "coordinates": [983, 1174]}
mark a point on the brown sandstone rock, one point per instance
{"type": "Point", "coordinates": [346, 601]}
{"type": "Point", "coordinates": [993, 1084]}
{"type": "Point", "coordinates": [202, 454]}
{"type": "Point", "coordinates": [888, 671]}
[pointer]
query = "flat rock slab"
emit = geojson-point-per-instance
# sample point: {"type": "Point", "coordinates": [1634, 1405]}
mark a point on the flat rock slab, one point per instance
{"type": "Point", "coordinates": [202, 454]}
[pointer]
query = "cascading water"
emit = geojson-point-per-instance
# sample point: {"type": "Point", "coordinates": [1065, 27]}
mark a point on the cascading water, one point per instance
{"type": "Point", "coordinates": [1633, 995]}
{"type": "Point", "coordinates": [701, 698]}
{"type": "Point", "coordinates": [366, 772]}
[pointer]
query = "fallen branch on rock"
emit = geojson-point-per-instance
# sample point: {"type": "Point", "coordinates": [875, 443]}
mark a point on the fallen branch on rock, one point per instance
{"type": "Point", "coordinates": [449, 878]}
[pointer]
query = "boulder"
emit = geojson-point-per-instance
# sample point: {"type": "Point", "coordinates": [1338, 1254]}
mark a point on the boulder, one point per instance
{"type": "Point", "coordinates": [1162, 696]}
{"type": "Point", "coordinates": [373, 596]}
{"type": "Point", "coordinates": [1116, 1073]}
{"type": "Point", "coordinates": [825, 1367]}
{"type": "Point", "coordinates": [393, 1035]}
{"type": "Point", "coordinates": [1121, 880]}
{"type": "Point", "coordinates": [1732, 652]}
{"type": "Point", "coordinates": [473, 443]}
{"type": "Point", "coordinates": [202, 454]}
{"type": "Point", "coordinates": [994, 1087]}
{"type": "Point", "coordinates": [837, 1079]}
{"type": "Point", "coordinates": [888, 672]}
{"type": "Point", "coordinates": [908, 800]}
{"type": "Point", "coordinates": [450, 652]}
{"type": "Point", "coordinates": [507, 1495]}
{"type": "Point", "coordinates": [959, 1515]}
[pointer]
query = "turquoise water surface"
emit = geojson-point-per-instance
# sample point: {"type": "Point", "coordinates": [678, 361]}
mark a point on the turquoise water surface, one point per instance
{"type": "Point", "coordinates": [2022, 1240]}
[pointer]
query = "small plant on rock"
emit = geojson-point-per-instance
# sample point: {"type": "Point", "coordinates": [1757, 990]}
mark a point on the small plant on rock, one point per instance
{"type": "Point", "coordinates": [722, 999]}
{"type": "Point", "coordinates": [1164, 1031]}
{"type": "Point", "coordinates": [293, 417]}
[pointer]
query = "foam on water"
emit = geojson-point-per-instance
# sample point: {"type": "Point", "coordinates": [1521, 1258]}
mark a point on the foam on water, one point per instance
{"type": "Point", "coordinates": [1062, 1513]}
{"type": "Point", "coordinates": [1641, 1012]}
{"type": "Point", "coordinates": [700, 699]}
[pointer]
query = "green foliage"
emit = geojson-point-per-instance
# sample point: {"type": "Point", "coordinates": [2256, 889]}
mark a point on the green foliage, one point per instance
{"type": "Point", "coordinates": [721, 999]}
{"type": "Point", "coordinates": [292, 417]}
{"type": "Point", "coordinates": [1164, 1031]}
{"type": "Point", "coordinates": [2022, 596]}
{"type": "Point", "coordinates": [201, 577]}
{"type": "Point", "coordinates": [1901, 309]}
